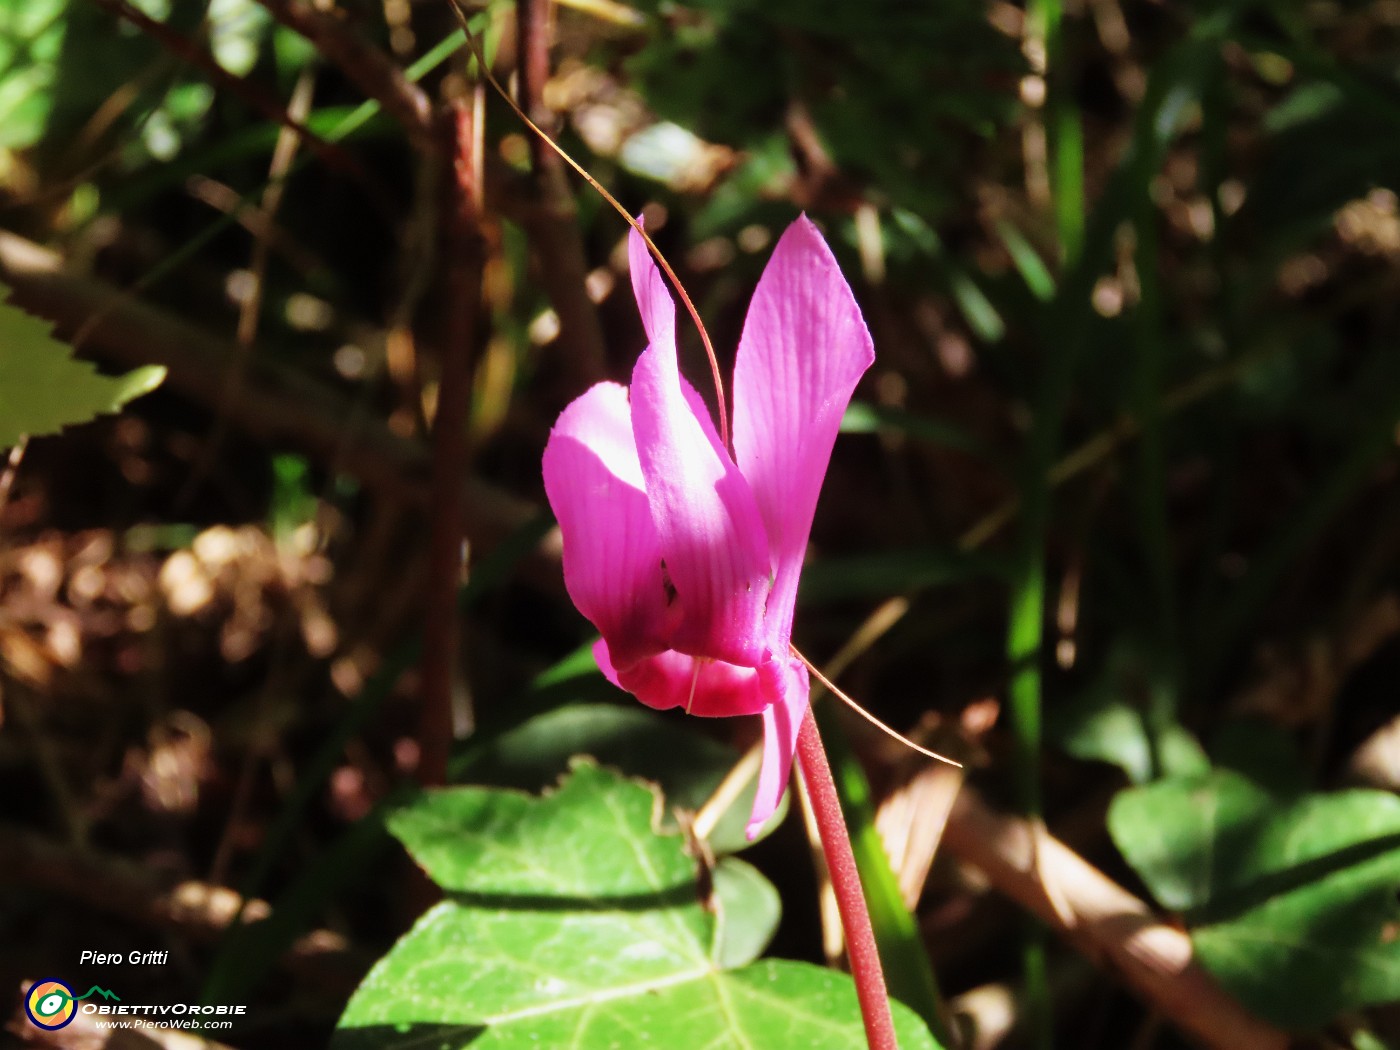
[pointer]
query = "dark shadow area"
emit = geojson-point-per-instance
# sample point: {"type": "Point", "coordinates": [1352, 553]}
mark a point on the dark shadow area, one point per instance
{"type": "Point", "coordinates": [407, 1037]}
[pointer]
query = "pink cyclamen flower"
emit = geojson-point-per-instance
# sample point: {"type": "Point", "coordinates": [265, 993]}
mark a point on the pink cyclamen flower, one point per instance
{"type": "Point", "coordinates": [686, 559]}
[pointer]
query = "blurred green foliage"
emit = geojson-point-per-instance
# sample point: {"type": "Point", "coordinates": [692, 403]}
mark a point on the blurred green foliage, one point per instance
{"type": "Point", "coordinates": [1128, 454]}
{"type": "Point", "coordinates": [887, 85]}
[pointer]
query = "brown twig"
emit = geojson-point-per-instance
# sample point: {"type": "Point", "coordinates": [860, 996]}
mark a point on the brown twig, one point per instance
{"type": "Point", "coordinates": [261, 224]}
{"type": "Point", "coordinates": [279, 405]}
{"type": "Point", "coordinates": [463, 256]}
{"type": "Point", "coordinates": [250, 309]}
{"type": "Point", "coordinates": [10, 471]}
{"type": "Point", "coordinates": [632, 221]}
{"type": "Point", "coordinates": [367, 67]}
{"type": "Point", "coordinates": [533, 20]}
{"type": "Point", "coordinates": [551, 219]}
{"type": "Point", "coordinates": [1108, 924]}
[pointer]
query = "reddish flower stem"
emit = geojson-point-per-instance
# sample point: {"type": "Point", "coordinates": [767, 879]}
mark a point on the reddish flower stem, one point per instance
{"type": "Point", "coordinates": [845, 880]}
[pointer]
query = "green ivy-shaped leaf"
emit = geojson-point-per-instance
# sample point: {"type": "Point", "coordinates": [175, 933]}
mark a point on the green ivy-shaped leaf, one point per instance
{"type": "Point", "coordinates": [687, 765]}
{"type": "Point", "coordinates": [1291, 900]}
{"type": "Point", "coordinates": [43, 388]}
{"type": "Point", "coordinates": [572, 922]}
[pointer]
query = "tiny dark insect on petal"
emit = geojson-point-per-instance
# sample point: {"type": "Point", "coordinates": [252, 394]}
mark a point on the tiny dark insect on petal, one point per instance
{"type": "Point", "coordinates": [667, 585]}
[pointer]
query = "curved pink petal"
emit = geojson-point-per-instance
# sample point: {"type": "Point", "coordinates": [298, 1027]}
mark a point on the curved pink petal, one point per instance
{"type": "Point", "coordinates": [804, 348]}
{"type": "Point", "coordinates": [654, 300]}
{"type": "Point", "coordinates": [781, 722]}
{"type": "Point", "coordinates": [658, 312]}
{"type": "Point", "coordinates": [709, 688]}
{"type": "Point", "coordinates": [612, 553]}
{"type": "Point", "coordinates": [711, 533]}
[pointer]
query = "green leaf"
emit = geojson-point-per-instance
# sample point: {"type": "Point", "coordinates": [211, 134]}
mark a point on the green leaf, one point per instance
{"type": "Point", "coordinates": [1118, 718]}
{"type": "Point", "coordinates": [486, 842]}
{"type": "Point", "coordinates": [1111, 730]}
{"type": "Point", "coordinates": [43, 388]}
{"type": "Point", "coordinates": [1291, 902]}
{"type": "Point", "coordinates": [770, 1004]}
{"type": "Point", "coordinates": [571, 921]}
{"type": "Point", "coordinates": [1349, 119]}
{"type": "Point", "coordinates": [578, 664]}
{"type": "Point", "coordinates": [236, 32]}
{"type": "Point", "coordinates": [687, 765]}
{"type": "Point", "coordinates": [749, 910]}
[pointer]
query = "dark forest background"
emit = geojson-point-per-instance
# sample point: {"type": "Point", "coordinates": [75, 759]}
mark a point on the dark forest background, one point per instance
{"type": "Point", "coordinates": [1115, 517]}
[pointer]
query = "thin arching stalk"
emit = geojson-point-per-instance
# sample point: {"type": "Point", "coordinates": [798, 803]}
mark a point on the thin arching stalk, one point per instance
{"type": "Point", "coordinates": [602, 190]}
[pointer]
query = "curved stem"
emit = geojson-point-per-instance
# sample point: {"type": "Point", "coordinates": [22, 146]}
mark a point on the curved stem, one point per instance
{"type": "Point", "coordinates": [845, 880]}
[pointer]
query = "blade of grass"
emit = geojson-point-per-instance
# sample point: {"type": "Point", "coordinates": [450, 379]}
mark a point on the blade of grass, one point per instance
{"type": "Point", "coordinates": [1176, 81]}
{"type": "Point", "coordinates": [1066, 319]}
{"type": "Point", "coordinates": [1150, 483]}
{"type": "Point", "coordinates": [1028, 263]}
{"type": "Point", "coordinates": [1064, 133]}
{"type": "Point", "coordinates": [1025, 640]}
{"type": "Point", "coordinates": [1148, 366]}
{"type": "Point", "coordinates": [977, 310]}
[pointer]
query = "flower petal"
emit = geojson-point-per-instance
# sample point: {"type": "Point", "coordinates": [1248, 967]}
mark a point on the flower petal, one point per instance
{"type": "Point", "coordinates": [712, 538]}
{"type": "Point", "coordinates": [612, 553]}
{"type": "Point", "coordinates": [654, 300]}
{"type": "Point", "coordinates": [658, 312]}
{"type": "Point", "coordinates": [709, 688]}
{"type": "Point", "coordinates": [781, 722]}
{"type": "Point", "coordinates": [804, 348]}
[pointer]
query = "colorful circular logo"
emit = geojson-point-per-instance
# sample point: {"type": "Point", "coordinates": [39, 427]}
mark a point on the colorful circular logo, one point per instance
{"type": "Point", "coordinates": [50, 1004]}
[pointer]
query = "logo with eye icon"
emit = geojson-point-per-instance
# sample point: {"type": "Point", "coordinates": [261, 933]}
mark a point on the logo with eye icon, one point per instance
{"type": "Point", "coordinates": [50, 1004]}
